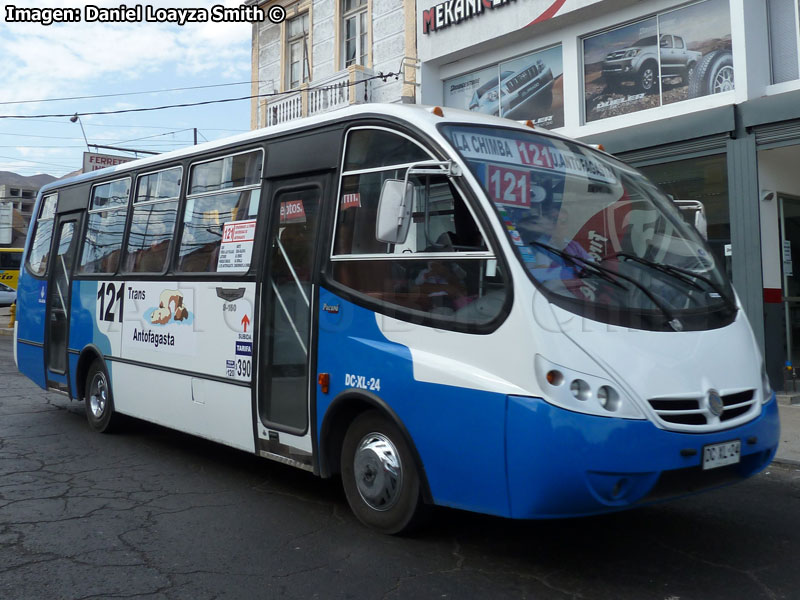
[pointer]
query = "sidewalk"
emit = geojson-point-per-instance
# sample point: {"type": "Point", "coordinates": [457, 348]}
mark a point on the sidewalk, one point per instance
{"type": "Point", "coordinates": [4, 318]}
{"type": "Point", "coordinates": [789, 447]}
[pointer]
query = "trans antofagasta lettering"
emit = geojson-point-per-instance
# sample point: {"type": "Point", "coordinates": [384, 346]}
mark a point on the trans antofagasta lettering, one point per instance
{"type": "Point", "coordinates": [147, 336]}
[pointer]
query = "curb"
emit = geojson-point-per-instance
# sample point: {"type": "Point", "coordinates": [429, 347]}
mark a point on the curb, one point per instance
{"type": "Point", "coordinates": [785, 462]}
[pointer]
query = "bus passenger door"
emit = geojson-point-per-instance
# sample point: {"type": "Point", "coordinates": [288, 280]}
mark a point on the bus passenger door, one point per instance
{"type": "Point", "coordinates": [288, 293]}
{"type": "Point", "coordinates": [58, 300]}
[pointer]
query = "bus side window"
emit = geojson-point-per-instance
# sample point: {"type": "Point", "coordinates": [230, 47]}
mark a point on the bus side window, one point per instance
{"type": "Point", "coordinates": [213, 201]}
{"type": "Point", "coordinates": [441, 268]}
{"type": "Point", "coordinates": [40, 246]}
{"type": "Point", "coordinates": [155, 213]}
{"type": "Point", "coordinates": [108, 211]}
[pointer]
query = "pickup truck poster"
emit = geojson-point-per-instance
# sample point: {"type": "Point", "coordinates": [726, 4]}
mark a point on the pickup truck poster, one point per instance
{"type": "Point", "coordinates": [529, 87]}
{"type": "Point", "coordinates": [680, 54]}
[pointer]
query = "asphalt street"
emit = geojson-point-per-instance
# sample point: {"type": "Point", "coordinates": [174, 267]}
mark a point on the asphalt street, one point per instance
{"type": "Point", "coordinates": [152, 513]}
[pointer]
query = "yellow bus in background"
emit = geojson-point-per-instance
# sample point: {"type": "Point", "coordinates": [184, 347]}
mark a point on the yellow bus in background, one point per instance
{"type": "Point", "coordinates": [10, 260]}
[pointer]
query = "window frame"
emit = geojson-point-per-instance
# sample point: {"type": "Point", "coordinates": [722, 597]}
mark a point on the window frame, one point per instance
{"type": "Point", "coordinates": [305, 63]}
{"type": "Point", "coordinates": [355, 13]}
{"type": "Point", "coordinates": [39, 219]}
{"type": "Point", "coordinates": [78, 266]}
{"type": "Point", "coordinates": [482, 221]}
{"type": "Point", "coordinates": [487, 254]}
{"type": "Point", "coordinates": [174, 259]}
{"type": "Point", "coordinates": [133, 204]}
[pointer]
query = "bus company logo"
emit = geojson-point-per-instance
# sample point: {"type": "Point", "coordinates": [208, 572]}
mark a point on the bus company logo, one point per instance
{"type": "Point", "coordinates": [244, 348]}
{"type": "Point", "coordinates": [715, 404]}
{"type": "Point", "coordinates": [331, 308]}
{"type": "Point", "coordinates": [170, 306]}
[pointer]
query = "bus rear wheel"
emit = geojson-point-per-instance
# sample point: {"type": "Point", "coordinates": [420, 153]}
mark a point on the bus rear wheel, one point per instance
{"type": "Point", "coordinates": [380, 477]}
{"type": "Point", "coordinates": [99, 401]}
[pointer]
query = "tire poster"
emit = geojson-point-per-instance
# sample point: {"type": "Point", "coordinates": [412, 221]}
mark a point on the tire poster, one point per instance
{"type": "Point", "coordinates": [529, 87]}
{"type": "Point", "coordinates": [675, 56]}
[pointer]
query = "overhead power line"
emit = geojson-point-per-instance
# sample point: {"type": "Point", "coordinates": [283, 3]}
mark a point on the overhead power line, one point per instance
{"type": "Point", "coordinates": [382, 76]}
{"type": "Point", "coordinates": [180, 89]}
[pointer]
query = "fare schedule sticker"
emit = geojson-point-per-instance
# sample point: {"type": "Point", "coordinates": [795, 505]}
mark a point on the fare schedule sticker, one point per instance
{"type": "Point", "coordinates": [236, 249]}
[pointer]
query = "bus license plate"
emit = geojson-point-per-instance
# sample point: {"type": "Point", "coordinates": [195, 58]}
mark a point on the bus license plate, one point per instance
{"type": "Point", "coordinates": [719, 455]}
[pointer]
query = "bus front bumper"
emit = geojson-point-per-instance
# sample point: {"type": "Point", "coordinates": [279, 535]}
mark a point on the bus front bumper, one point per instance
{"type": "Point", "coordinates": [566, 464]}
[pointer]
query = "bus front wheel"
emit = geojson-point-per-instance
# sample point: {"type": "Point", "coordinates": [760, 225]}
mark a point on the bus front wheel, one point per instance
{"type": "Point", "coordinates": [99, 401]}
{"type": "Point", "coordinates": [379, 475]}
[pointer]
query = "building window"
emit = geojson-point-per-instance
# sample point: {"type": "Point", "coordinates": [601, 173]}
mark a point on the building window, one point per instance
{"type": "Point", "coordinates": [28, 193]}
{"type": "Point", "coordinates": [354, 32]}
{"type": "Point", "coordinates": [297, 51]}
{"type": "Point", "coordinates": [783, 40]}
{"type": "Point", "coordinates": [15, 192]}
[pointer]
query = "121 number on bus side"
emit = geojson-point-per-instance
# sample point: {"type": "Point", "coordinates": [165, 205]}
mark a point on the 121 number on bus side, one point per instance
{"type": "Point", "coordinates": [110, 296]}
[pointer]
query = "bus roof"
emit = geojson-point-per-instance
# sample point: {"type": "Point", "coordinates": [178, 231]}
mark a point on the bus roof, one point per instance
{"type": "Point", "coordinates": [415, 114]}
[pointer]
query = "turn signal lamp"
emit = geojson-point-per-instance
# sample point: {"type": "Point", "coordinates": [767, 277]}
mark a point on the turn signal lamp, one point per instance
{"type": "Point", "coordinates": [324, 380]}
{"type": "Point", "coordinates": [530, 124]}
{"type": "Point", "coordinates": [437, 110]}
{"type": "Point", "coordinates": [555, 377]}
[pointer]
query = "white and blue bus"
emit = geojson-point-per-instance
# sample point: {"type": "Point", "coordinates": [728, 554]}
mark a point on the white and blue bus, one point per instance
{"type": "Point", "coordinates": [442, 308]}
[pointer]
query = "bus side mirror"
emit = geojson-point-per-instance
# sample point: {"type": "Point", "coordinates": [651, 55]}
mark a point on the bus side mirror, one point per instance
{"type": "Point", "coordinates": [394, 211]}
{"type": "Point", "coordinates": [700, 224]}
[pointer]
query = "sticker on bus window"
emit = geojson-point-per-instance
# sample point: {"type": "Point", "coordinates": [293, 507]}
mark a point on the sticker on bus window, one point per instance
{"type": "Point", "coordinates": [236, 249]}
{"type": "Point", "coordinates": [351, 201]}
{"type": "Point", "coordinates": [293, 211]}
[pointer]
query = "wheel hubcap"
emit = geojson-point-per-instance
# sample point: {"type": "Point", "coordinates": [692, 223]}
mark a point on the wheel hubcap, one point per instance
{"type": "Point", "coordinates": [723, 82]}
{"type": "Point", "coordinates": [98, 395]}
{"type": "Point", "coordinates": [647, 79]}
{"type": "Point", "coordinates": [378, 471]}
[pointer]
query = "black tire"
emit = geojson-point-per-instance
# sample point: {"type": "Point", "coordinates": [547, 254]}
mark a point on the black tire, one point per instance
{"type": "Point", "coordinates": [647, 78]}
{"type": "Point", "coordinates": [712, 75]}
{"type": "Point", "coordinates": [99, 402]}
{"type": "Point", "coordinates": [380, 477]}
{"type": "Point", "coordinates": [612, 84]}
{"type": "Point", "coordinates": [689, 73]}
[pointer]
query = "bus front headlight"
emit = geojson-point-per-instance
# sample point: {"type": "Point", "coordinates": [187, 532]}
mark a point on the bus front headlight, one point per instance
{"type": "Point", "coordinates": [583, 392]}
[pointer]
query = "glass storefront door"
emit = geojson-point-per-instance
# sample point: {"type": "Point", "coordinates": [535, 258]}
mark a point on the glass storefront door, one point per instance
{"type": "Point", "coordinates": [704, 179]}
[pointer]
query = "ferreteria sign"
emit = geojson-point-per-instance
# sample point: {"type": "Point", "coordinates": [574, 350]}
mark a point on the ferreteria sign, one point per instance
{"type": "Point", "coordinates": [453, 12]}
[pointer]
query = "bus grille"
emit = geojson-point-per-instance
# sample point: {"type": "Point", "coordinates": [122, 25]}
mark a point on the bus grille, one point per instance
{"type": "Point", "coordinates": [694, 413]}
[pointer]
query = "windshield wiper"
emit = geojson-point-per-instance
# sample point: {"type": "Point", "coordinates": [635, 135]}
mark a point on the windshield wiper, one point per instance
{"type": "Point", "coordinates": [601, 272]}
{"type": "Point", "coordinates": [611, 276]}
{"type": "Point", "coordinates": [681, 274]}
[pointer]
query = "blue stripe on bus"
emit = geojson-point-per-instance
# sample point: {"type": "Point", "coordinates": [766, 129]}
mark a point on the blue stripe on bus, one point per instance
{"type": "Point", "coordinates": [566, 464]}
{"type": "Point", "coordinates": [458, 432]}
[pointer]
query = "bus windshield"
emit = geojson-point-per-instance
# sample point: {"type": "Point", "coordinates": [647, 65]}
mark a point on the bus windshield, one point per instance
{"type": "Point", "coordinates": [595, 235]}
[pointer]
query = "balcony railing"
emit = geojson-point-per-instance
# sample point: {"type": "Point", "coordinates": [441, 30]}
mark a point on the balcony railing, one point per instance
{"type": "Point", "coordinates": [346, 87]}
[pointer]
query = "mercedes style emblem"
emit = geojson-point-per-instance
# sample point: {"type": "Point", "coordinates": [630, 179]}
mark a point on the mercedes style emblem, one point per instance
{"type": "Point", "coordinates": [715, 404]}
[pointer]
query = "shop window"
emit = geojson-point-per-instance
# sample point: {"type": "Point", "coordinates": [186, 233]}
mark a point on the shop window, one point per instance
{"type": "Point", "coordinates": [659, 60]}
{"type": "Point", "coordinates": [220, 214]}
{"type": "Point", "coordinates": [297, 51]}
{"type": "Point", "coordinates": [443, 268]}
{"type": "Point", "coordinates": [355, 44]}
{"type": "Point", "coordinates": [705, 180]}
{"type": "Point", "coordinates": [783, 40]}
{"type": "Point", "coordinates": [155, 212]}
{"type": "Point", "coordinates": [529, 87]}
{"type": "Point", "coordinates": [40, 247]}
{"type": "Point", "coordinates": [108, 210]}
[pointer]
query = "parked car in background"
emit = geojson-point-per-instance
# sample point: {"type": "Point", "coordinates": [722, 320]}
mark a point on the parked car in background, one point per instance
{"type": "Point", "coordinates": [8, 295]}
{"type": "Point", "coordinates": [639, 62]}
{"type": "Point", "coordinates": [534, 81]}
